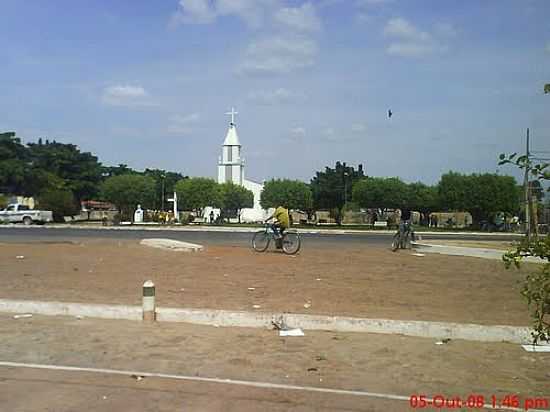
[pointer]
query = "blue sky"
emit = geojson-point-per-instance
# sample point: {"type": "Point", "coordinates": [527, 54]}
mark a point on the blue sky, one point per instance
{"type": "Point", "coordinates": [147, 83]}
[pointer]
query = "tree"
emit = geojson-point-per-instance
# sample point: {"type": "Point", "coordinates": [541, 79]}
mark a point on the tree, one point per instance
{"type": "Point", "coordinates": [60, 201]}
{"type": "Point", "coordinates": [164, 182]}
{"type": "Point", "coordinates": [332, 188]}
{"type": "Point", "coordinates": [13, 164]}
{"type": "Point", "coordinates": [81, 171]}
{"type": "Point", "coordinates": [547, 88]}
{"type": "Point", "coordinates": [234, 198]}
{"type": "Point", "coordinates": [198, 192]}
{"type": "Point", "coordinates": [423, 198]}
{"type": "Point", "coordinates": [536, 286]}
{"type": "Point", "coordinates": [127, 191]}
{"type": "Point", "coordinates": [483, 195]}
{"type": "Point", "coordinates": [293, 194]}
{"type": "Point", "coordinates": [381, 193]}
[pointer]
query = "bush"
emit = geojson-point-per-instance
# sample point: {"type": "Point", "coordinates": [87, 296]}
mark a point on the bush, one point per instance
{"type": "Point", "coordinates": [60, 202]}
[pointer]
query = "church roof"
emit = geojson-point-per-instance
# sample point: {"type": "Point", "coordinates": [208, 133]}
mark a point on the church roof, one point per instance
{"type": "Point", "coordinates": [231, 139]}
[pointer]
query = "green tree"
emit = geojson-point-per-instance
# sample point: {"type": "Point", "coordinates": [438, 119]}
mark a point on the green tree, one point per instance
{"type": "Point", "coordinates": [13, 164]}
{"type": "Point", "coordinates": [165, 183]}
{"type": "Point", "coordinates": [332, 188]}
{"type": "Point", "coordinates": [81, 171]}
{"type": "Point", "coordinates": [381, 193]}
{"type": "Point", "coordinates": [547, 88]}
{"type": "Point", "coordinates": [536, 286]}
{"type": "Point", "coordinates": [483, 195]}
{"type": "Point", "coordinates": [127, 191]}
{"type": "Point", "coordinates": [423, 198]}
{"type": "Point", "coordinates": [293, 194]}
{"type": "Point", "coordinates": [234, 198]}
{"type": "Point", "coordinates": [60, 201]}
{"type": "Point", "coordinates": [198, 192]}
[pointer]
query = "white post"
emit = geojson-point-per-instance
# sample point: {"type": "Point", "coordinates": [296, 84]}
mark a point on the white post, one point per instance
{"type": "Point", "coordinates": [175, 201]}
{"type": "Point", "coordinates": [148, 303]}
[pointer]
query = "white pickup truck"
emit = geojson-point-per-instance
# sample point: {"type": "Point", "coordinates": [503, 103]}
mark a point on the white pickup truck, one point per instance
{"type": "Point", "coordinates": [16, 213]}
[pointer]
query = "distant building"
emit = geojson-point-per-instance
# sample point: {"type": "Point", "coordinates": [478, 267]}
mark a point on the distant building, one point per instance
{"type": "Point", "coordinates": [231, 169]}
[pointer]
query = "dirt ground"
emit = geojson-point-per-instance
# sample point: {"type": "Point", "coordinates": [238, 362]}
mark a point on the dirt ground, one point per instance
{"type": "Point", "coordinates": [361, 281]}
{"type": "Point", "coordinates": [388, 364]}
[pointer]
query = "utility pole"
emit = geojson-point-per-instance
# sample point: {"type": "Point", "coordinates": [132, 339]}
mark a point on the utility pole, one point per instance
{"type": "Point", "coordinates": [526, 188]}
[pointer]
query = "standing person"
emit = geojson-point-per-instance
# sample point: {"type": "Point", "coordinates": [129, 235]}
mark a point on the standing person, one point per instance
{"type": "Point", "coordinates": [211, 216]}
{"type": "Point", "coordinates": [281, 222]}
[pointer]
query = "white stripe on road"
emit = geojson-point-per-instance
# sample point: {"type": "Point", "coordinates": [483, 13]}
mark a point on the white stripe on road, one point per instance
{"type": "Point", "coordinates": [265, 385]}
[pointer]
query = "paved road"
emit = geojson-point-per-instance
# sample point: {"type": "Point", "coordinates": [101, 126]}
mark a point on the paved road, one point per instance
{"type": "Point", "coordinates": [381, 239]}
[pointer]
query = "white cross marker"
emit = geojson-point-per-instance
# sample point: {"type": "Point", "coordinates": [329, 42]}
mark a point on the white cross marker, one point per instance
{"type": "Point", "coordinates": [232, 113]}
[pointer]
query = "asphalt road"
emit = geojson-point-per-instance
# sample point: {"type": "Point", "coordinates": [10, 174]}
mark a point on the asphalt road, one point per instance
{"type": "Point", "coordinates": [380, 239]}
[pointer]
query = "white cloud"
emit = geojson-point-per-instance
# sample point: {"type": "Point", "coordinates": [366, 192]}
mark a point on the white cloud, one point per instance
{"type": "Point", "coordinates": [410, 49]}
{"type": "Point", "coordinates": [126, 95]}
{"type": "Point", "coordinates": [297, 132]}
{"type": "Point", "coordinates": [402, 29]}
{"type": "Point", "coordinates": [366, 7]}
{"type": "Point", "coordinates": [182, 124]}
{"type": "Point", "coordinates": [409, 41]}
{"type": "Point", "coordinates": [194, 12]}
{"type": "Point", "coordinates": [277, 96]}
{"type": "Point", "coordinates": [358, 128]}
{"type": "Point", "coordinates": [252, 12]}
{"type": "Point", "coordinates": [302, 19]}
{"type": "Point", "coordinates": [445, 30]}
{"type": "Point", "coordinates": [279, 55]}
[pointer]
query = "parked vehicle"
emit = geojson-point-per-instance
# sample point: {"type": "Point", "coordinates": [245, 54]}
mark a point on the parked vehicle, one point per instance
{"type": "Point", "coordinates": [17, 213]}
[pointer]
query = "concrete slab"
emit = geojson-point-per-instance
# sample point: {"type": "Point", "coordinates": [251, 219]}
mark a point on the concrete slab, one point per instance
{"type": "Point", "coordinates": [170, 244]}
{"type": "Point", "coordinates": [483, 253]}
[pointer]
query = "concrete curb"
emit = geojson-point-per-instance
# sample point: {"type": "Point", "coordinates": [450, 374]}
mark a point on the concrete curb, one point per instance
{"type": "Point", "coordinates": [317, 230]}
{"type": "Point", "coordinates": [483, 253]}
{"type": "Point", "coordinates": [425, 329]}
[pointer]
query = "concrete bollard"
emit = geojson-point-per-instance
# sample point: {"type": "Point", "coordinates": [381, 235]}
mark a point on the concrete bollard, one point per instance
{"type": "Point", "coordinates": [149, 301]}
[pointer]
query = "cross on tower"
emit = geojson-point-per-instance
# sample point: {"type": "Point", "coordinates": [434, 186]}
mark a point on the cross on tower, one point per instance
{"type": "Point", "coordinates": [232, 113]}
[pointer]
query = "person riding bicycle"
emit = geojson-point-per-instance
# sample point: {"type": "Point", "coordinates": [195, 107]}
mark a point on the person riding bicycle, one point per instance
{"type": "Point", "coordinates": [281, 222]}
{"type": "Point", "coordinates": [405, 224]}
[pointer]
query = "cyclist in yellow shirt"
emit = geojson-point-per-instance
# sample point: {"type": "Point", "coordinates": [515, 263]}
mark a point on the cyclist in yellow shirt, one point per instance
{"type": "Point", "coordinates": [282, 222]}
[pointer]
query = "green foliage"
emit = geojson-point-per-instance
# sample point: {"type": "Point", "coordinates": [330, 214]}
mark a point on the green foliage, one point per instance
{"type": "Point", "coordinates": [329, 187]}
{"type": "Point", "coordinates": [60, 201]}
{"type": "Point", "coordinates": [127, 191]}
{"type": "Point", "coordinates": [13, 164]}
{"type": "Point", "coordinates": [234, 198]}
{"type": "Point", "coordinates": [198, 192]}
{"type": "Point", "coordinates": [3, 201]}
{"type": "Point", "coordinates": [536, 287]}
{"type": "Point", "coordinates": [547, 88]}
{"type": "Point", "coordinates": [423, 198]}
{"type": "Point", "coordinates": [164, 181]}
{"type": "Point", "coordinates": [80, 171]}
{"type": "Point", "coordinates": [380, 192]}
{"type": "Point", "coordinates": [292, 194]}
{"type": "Point", "coordinates": [483, 195]}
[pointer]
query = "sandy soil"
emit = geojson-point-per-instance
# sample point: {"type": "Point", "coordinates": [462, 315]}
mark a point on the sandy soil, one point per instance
{"type": "Point", "coordinates": [365, 282]}
{"type": "Point", "coordinates": [366, 362]}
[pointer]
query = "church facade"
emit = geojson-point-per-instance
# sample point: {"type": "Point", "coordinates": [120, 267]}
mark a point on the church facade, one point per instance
{"type": "Point", "coordinates": [231, 169]}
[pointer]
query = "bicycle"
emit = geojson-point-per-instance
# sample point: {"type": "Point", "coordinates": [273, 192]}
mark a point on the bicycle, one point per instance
{"type": "Point", "coordinates": [403, 238]}
{"type": "Point", "coordinates": [290, 242]}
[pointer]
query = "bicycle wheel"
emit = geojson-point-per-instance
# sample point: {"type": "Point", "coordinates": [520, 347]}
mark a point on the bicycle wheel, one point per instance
{"type": "Point", "coordinates": [260, 241]}
{"type": "Point", "coordinates": [396, 242]}
{"type": "Point", "coordinates": [407, 244]}
{"type": "Point", "coordinates": [291, 243]}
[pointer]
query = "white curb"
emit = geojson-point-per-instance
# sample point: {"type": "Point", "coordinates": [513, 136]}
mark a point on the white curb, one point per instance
{"type": "Point", "coordinates": [425, 329]}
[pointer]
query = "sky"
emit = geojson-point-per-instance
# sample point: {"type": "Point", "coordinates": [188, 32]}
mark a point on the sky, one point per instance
{"type": "Point", "coordinates": [148, 83]}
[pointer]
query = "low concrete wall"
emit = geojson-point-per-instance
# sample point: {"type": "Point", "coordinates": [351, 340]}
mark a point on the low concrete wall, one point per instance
{"type": "Point", "coordinates": [425, 329]}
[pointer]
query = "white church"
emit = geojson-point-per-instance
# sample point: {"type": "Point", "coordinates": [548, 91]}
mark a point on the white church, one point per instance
{"type": "Point", "coordinates": [231, 169]}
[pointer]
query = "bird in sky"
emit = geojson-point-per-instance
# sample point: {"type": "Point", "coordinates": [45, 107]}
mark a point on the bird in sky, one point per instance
{"type": "Point", "coordinates": [389, 114]}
